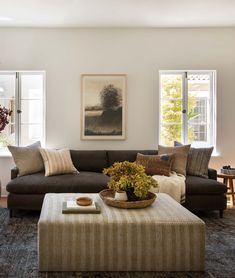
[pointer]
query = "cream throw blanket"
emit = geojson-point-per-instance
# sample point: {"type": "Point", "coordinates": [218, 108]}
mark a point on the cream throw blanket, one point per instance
{"type": "Point", "coordinates": [174, 185]}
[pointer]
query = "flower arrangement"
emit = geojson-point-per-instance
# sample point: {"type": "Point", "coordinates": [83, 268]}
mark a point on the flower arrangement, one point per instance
{"type": "Point", "coordinates": [130, 177]}
{"type": "Point", "coordinates": [4, 117]}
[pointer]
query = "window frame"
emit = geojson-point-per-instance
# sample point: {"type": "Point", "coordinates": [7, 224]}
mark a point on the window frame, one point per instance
{"type": "Point", "coordinates": [213, 104]}
{"type": "Point", "coordinates": [18, 99]}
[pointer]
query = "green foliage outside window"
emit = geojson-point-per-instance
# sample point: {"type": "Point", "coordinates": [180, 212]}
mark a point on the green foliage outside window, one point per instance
{"type": "Point", "coordinates": [171, 110]}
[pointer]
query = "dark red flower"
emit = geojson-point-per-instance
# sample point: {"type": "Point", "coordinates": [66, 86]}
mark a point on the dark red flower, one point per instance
{"type": "Point", "coordinates": [4, 117]}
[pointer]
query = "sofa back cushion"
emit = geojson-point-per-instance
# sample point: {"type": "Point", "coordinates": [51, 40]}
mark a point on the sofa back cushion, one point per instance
{"type": "Point", "coordinates": [93, 161]}
{"type": "Point", "coordinates": [28, 159]}
{"type": "Point", "coordinates": [126, 155]}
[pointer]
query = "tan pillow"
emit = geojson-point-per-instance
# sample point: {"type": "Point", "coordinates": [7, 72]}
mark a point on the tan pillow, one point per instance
{"type": "Point", "coordinates": [180, 157]}
{"type": "Point", "coordinates": [155, 164]}
{"type": "Point", "coordinates": [57, 162]}
{"type": "Point", "coordinates": [27, 159]}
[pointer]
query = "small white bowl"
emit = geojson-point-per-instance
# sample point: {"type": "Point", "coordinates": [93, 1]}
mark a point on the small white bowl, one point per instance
{"type": "Point", "coordinates": [120, 196]}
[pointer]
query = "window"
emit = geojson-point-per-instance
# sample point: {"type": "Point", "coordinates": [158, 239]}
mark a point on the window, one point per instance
{"type": "Point", "coordinates": [187, 107]}
{"type": "Point", "coordinates": [23, 93]}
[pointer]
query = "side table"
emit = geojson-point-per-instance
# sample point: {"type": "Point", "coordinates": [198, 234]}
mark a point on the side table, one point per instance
{"type": "Point", "coordinates": [228, 180]}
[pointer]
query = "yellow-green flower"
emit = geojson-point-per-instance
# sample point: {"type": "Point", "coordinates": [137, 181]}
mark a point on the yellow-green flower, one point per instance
{"type": "Point", "coordinates": [126, 175]}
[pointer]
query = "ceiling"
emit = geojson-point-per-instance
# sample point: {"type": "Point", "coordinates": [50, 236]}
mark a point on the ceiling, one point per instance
{"type": "Point", "coordinates": [117, 13]}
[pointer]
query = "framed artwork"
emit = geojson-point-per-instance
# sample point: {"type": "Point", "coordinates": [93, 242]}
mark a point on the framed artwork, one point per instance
{"type": "Point", "coordinates": [103, 100]}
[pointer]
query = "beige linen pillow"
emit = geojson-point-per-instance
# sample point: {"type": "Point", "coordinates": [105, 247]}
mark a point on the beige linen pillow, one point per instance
{"type": "Point", "coordinates": [180, 157]}
{"type": "Point", "coordinates": [57, 162]}
{"type": "Point", "coordinates": [27, 159]}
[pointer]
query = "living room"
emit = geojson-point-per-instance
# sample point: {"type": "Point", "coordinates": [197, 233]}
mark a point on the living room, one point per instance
{"type": "Point", "coordinates": [61, 47]}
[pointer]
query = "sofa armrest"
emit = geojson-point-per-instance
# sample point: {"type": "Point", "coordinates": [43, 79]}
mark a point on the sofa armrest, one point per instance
{"type": "Point", "coordinates": [14, 173]}
{"type": "Point", "coordinates": [212, 174]}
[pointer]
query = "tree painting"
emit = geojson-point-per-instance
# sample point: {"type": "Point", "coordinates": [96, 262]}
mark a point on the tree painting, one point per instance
{"type": "Point", "coordinates": [111, 97]}
{"type": "Point", "coordinates": [171, 110]}
{"type": "Point", "coordinates": [111, 102]}
{"type": "Point", "coordinates": [104, 107]}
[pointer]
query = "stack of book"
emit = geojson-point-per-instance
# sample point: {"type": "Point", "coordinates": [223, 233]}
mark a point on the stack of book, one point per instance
{"type": "Point", "coordinates": [73, 207]}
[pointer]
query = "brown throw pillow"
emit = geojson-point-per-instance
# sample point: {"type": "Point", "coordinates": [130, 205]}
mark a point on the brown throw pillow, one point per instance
{"type": "Point", "coordinates": [198, 161]}
{"type": "Point", "coordinates": [180, 157]}
{"type": "Point", "coordinates": [27, 159]}
{"type": "Point", "coordinates": [156, 164]}
{"type": "Point", "coordinates": [57, 162]}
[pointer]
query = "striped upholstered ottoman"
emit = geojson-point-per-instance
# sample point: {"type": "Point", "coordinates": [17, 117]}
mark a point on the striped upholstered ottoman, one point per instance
{"type": "Point", "coordinates": [162, 237]}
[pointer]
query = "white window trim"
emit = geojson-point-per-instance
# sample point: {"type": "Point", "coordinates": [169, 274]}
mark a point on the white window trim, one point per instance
{"type": "Point", "coordinates": [3, 151]}
{"type": "Point", "coordinates": [213, 97]}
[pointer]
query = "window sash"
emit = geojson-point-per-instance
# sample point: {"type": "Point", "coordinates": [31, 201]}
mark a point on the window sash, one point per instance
{"type": "Point", "coordinates": [18, 103]}
{"type": "Point", "coordinates": [211, 102]}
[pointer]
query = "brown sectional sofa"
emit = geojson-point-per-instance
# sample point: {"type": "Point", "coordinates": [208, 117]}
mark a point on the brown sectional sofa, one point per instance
{"type": "Point", "coordinates": [27, 192]}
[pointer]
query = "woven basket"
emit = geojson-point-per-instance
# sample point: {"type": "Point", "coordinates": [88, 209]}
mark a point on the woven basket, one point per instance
{"type": "Point", "coordinates": [107, 195]}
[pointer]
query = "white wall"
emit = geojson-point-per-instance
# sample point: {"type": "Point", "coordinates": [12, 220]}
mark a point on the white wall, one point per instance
{"type": "Point", "coordinates": [140, 53]}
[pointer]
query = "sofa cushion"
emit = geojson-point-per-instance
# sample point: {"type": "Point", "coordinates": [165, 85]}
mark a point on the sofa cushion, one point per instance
{"type": "Point", "coordinates": [120, 156]}
{"type": "Point", "coordinates": [85, 182]}
{"type": "Point", "coordinates": [93, 161]}
{"type": "Point", "coordinates": [201, 186]}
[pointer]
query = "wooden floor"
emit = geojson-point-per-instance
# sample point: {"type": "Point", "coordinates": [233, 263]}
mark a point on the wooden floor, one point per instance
{"type": "Point", "coordinates": [3, 202]}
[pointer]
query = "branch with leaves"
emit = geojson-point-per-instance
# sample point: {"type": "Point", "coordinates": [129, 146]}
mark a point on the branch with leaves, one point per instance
{"type": "Point", "coordinates": [129, 175]}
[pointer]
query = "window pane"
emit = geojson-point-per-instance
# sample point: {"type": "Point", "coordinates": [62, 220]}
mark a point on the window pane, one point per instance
{"type": "Point", "coordinates": [31, 128]}
{"type": "Point", "coordinates": [30, 134]}
{"type": "Point", "coordinates": [198, 108]}
{"type": "Point", "coordinates": [169, 133]}
{"type": "Point", "coordinates": [7, 136]}
{"type": "Point", "coordinates": [7, 99]}
{"type": "Point", "coordinates": [197, 133]}
{"type": "Point", "coordinates": [32, 111]}
{"type": "Point", "coordinates": [171, 86]}
{"type": "Point", "coordinates": [31, 86]}
{"type": "Point", "coordinates": [7, 86]}
{"type": "Point", "coordinates": [171, 111]}
{"type": "Point", "coordinates": [171, 108]}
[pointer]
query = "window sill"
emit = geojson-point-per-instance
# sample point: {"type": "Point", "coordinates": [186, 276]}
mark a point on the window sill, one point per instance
{"type": "Point", "coordinates": [5, 153]}
{"type": "Point", "coordinates": [216, 154]}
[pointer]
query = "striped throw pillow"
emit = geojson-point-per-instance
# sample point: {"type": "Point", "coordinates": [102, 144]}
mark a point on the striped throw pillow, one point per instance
{"type": "Point", "coordinates": [57, 162]}
{"type": "Point", "coordinates": [198, 161]}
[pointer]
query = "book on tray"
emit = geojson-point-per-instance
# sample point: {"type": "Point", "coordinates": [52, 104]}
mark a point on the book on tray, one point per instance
{"type": "Point", "coordinates": [73, 207]}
